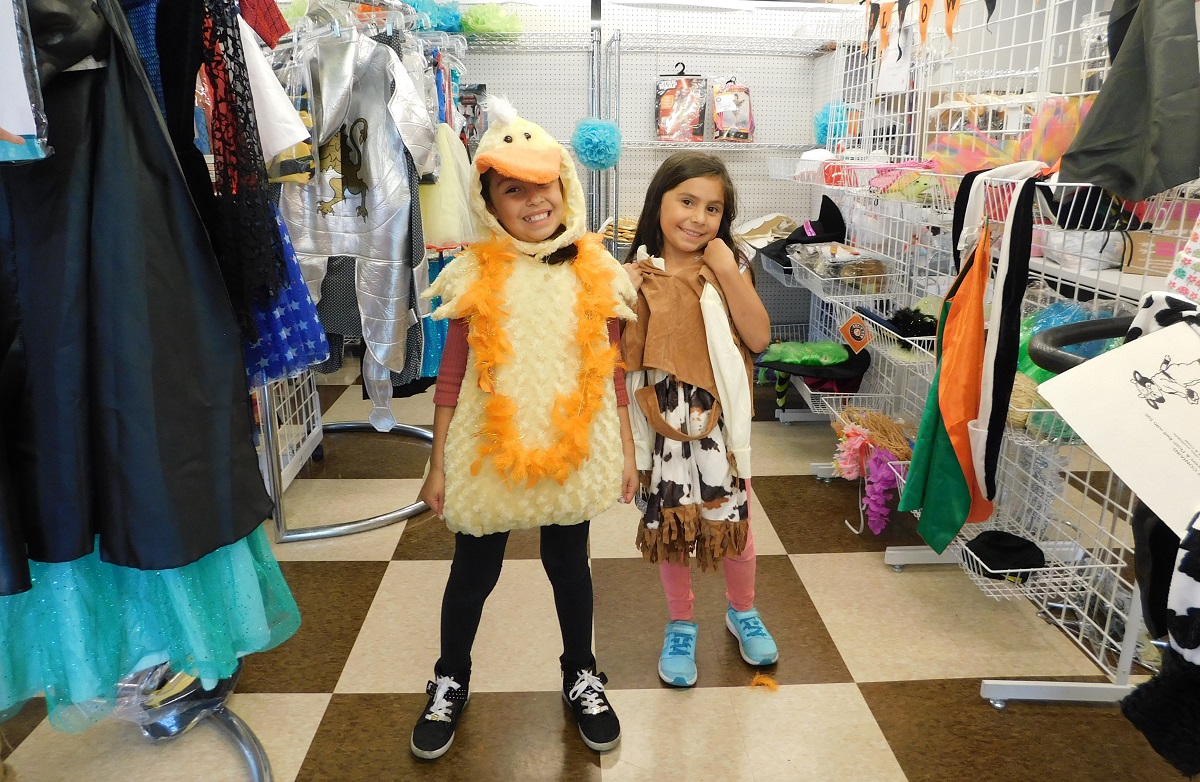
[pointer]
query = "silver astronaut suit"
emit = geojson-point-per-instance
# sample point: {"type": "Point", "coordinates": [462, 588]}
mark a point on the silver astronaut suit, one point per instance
{"type": "Point", "coordinates": [360, 202]}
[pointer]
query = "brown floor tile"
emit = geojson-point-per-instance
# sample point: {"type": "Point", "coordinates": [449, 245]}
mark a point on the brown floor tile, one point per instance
{"type": "Point", "coordinates": [334, 598]}
{"type": "Point", "coordinates": [502, 736]}
{"type": "Point", "coordinates": [329, 394]}
{"type": "Point", "coordinates": [368, 455]}
{"type": "Point", "coordinates": [426, 537]}
{"type": "Point", "coordinates": [942, 731]}
{"type": "Point", "coordinates": [18, 728]}
{"type": "Point", "coordinates": [631, 613]}
{"type": "Point", "coordinates": [810, 516]}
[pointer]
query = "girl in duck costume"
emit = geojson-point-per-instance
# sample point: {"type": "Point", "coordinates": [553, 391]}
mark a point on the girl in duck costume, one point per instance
{"type": "Point", "coordinates": [530, 427]}
{"type": "Point", "coordinates": [689, 369]}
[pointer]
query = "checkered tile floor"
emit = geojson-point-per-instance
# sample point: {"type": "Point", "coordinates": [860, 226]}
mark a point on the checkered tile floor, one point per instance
{"type": "Point", "coordinates": [879, 672]}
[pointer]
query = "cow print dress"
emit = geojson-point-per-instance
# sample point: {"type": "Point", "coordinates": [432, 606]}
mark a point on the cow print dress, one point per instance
{"type": "Point", "coordinates": [694, 502]}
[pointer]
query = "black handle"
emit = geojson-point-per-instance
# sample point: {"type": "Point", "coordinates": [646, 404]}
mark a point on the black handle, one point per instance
{"type": "Point", "coordinates": [1046, 346]}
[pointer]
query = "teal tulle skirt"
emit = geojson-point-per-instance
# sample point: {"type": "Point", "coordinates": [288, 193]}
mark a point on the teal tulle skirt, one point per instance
{"type": "Point", "coordinates": [87, 624]}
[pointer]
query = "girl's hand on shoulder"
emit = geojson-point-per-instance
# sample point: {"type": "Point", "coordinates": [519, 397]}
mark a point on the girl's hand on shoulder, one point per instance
{"type": "Point", "coordinates": [433, 491]}
{"type": "Point", "coordinates": [719, 257]}
{"type": "Point", "coordinates": [635, 274]}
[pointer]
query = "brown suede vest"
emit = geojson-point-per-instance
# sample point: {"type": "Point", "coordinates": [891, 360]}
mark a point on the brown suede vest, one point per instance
{"type": "Point", "coordinates": [669, 331]}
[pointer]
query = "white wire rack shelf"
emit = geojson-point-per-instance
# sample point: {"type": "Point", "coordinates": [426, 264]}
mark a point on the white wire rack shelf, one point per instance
{"type": "Point", "coordinates": [776, 46]}
{"type": "Point", "coordinates": [799, 275]}
{"type": "Point", "coordinates": [500, 43]}
{"type": "Point", "coordinates": [714, 146]}
{"type": "Point", "coordinates": [1086, 240]}
{"type": "Point", "coordinates": [296, 410]}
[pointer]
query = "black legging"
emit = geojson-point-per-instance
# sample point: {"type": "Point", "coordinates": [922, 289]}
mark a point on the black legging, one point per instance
{"type": "Point", "coordinates": [473, 575]}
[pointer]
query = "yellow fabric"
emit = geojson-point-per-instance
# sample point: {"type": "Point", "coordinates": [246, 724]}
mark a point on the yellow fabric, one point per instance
{"type": "Point", "coordinates": [541, 326]}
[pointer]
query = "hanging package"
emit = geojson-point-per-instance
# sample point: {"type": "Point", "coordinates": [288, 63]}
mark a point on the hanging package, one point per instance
{"type": "Point", "coordinates": [22, 121]}
{"type": "Point", "coordinates": [732, 116]}
{"type": "Point", "coordinates": [681, 106]}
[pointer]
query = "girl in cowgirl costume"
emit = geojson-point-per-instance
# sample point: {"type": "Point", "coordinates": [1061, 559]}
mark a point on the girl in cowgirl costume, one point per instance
{"type": "Point", "coordinates": [689, 371]}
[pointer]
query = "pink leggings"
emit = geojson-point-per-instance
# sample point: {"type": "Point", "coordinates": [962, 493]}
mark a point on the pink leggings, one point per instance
{"type": "Point", "coordinates": [739, 582]}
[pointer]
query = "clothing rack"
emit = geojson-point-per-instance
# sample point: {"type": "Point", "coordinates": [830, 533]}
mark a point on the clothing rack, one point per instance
{"type": "Point", "coordinates": [293, 402]}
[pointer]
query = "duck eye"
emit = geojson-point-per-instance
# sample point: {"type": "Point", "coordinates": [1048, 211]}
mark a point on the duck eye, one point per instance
{"type": "Point", "coordinates": [528, 137]}
{"type": "Point", "coordinates": [508, 139]}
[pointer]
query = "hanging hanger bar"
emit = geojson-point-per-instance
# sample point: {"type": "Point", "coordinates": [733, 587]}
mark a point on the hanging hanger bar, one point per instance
{"type": "Point", "coordinates": [682, 71]}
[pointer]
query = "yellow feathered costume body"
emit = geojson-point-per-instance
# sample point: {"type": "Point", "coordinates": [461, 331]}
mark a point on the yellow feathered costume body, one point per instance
{"type": "Point", "coordinates": [535, 438]}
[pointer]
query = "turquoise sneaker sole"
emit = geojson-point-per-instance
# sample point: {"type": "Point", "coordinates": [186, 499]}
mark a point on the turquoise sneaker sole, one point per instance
{"type": "Point", "coordinates": [676, 680]}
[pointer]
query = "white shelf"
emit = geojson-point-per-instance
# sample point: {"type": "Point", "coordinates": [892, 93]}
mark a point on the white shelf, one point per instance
{"type": "Point", "coordinates": [498, 43]}
{"type": "Point", "coordinates": [716, 146]}
{"type": "Point", "coordinates": [1115, 282]}
{"type": "Point", "coordinates": [777, 46]}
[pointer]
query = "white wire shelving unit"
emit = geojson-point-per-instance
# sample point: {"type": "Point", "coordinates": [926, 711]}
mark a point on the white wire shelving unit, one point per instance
{"type": "Point", "coordinates": [1003, 82]}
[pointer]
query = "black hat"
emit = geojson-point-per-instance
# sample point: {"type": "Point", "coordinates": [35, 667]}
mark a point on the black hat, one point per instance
{"type": "Point", "coordinates": [1006, 557]}
{"type": "Point", "coordinates": [828, 227]}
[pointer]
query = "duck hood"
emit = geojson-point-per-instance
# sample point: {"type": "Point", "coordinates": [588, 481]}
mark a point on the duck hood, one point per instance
{"type": "Point", "coordinates": [516, 147]}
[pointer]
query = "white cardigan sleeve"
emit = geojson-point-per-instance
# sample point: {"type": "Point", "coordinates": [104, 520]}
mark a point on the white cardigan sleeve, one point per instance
{"type": "Point", "coordinates": [729, 370]}
{"type": "Point", "coordinates": [643, 435]}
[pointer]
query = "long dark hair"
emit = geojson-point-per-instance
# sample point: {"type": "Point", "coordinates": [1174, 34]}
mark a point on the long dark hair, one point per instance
{"type": "Point", "coordinates": [674, 171]}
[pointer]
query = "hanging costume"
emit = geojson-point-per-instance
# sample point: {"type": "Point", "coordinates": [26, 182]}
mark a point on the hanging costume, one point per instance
{"type": "Point", "coordinates": [691, 377]}
{"type": "Point", "coordinates": [1142, 135]}
{"type": "Point", "coordinates": [375, 139]}
{"type": "Point", "coordinates": [130, 497]}
{"type": "Point", "coordinates": [952, 477]}
{"type": "Point", "coordinates": [535, 439]}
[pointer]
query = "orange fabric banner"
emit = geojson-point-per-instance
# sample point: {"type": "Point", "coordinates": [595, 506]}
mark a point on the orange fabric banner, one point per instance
{"type": "Point", "coordinates": [961, 369]}
{"type": "Point", "coordinates": [926, 13]}
{"type": "Point", "coordinates": [885, 21]}
{"type": "Point", "coordinates": [951, 14]}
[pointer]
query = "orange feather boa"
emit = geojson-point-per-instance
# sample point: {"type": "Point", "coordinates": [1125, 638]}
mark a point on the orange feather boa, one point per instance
{"type": "Point", "coordinates": [573, 411]}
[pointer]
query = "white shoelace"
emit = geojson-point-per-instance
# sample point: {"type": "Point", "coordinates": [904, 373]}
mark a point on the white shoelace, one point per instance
{"type": "Point", "coordinates": [439, 710]}
{"type": "Point", "coordinates": [587, 690]}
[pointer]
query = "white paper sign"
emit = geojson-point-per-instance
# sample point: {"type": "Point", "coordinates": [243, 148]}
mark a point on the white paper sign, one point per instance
{"type": "Point", "coordinates": [1138, 408]}
{"type": "Point", "coordinates": [16, 115]}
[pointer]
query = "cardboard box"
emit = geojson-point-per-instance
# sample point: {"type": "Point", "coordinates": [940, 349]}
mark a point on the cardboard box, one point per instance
{"type": "Point", "coordinates": [1152, 254]}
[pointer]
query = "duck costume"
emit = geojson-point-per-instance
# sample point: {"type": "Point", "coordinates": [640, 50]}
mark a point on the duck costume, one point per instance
{"type": "Point", "coordinates": [535, 439]}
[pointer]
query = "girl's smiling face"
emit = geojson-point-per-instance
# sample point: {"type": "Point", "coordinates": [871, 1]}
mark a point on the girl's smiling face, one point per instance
{"type": "Point", "coordinates": [690, 216]}
{"type": "Point", "coordinates": [528, 211]}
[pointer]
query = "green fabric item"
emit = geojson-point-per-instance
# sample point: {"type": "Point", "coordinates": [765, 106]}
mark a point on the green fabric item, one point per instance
{"type": "Point", "coordinates": [935, 484]}
{"type": "Point", "coordinates": [809, 354]}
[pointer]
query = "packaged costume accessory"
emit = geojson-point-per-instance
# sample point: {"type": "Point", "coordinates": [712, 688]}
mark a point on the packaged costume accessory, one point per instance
{"type": "Point", "coordinates": [732, 114]}
{"type": "Point", "coordinates": [681, 106]}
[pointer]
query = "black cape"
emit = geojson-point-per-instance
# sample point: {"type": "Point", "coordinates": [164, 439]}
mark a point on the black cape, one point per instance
{"type": "Point", "coordinates": [124, 414]}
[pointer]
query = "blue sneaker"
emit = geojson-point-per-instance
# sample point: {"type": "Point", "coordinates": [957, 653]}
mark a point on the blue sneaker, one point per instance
{"type": "Point", "coordinates": [754, 642]}
{"type": "Point", "coordinates": [677, 665]}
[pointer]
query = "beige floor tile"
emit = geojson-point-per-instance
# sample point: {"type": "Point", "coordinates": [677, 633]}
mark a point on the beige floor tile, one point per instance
{"type": "Point", "coordinates": [677, 736]}
{"type": "Point", "coordinates": [398, 645]}
{"type": "Point", "coordinates": [351, 372]}
{"type": "Point", "coordinates": [929, 623]}
{"type": "Point", "coordinates": [415, 411]}
{"type": "Point", "coordinates": [779, 449]}
{"type": "Point", "coordinates": [814, 733]}
{"type": "Point", "coordinates": [766, 540]}
{"type": "Point", "coordinates": [613, 532]}
{"type": "Point", "coordinates": [310, 503]}
{"type": "Point", "coordinates": [116, 751]}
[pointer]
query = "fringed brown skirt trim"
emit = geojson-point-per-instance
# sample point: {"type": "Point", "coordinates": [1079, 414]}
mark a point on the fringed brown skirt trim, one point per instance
{"type": "Point", "coordinates": [682, 534]}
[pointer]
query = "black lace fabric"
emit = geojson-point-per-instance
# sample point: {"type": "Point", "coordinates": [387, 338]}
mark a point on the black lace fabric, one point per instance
{"type": "Point", "coordinates": [245, 235]}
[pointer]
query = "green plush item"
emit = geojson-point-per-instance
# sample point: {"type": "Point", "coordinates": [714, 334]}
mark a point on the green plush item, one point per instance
{"type": "Point", "coordinates": [489, 18]}
{"type": "Point", "coordinates": [809, 354]}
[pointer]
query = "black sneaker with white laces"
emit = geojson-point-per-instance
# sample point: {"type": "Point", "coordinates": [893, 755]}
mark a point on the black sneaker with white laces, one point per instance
{"type": "Point", "coordinates": [583, 690]}
{"type": "Point", "coordinates": [434, 731]}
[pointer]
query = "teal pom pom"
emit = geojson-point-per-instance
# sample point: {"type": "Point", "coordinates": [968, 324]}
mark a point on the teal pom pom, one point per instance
{"type": "Point", "coordinates": [597, 143]}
